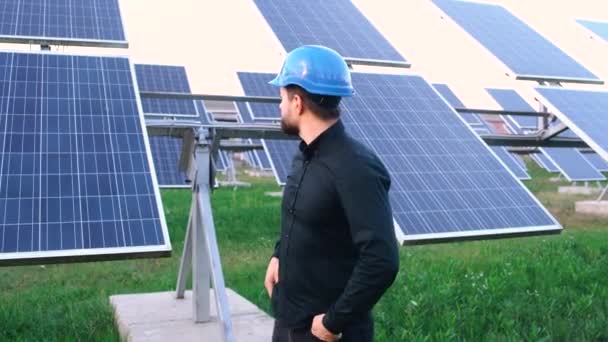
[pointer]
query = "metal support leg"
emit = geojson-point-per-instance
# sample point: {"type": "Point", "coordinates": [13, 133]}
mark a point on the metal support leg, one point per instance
{"type": "Point", "coordinates": [200, 269]}
{"type": "Point", "coordinates": [201, 251]}
{"type": "Point", "coordinates": [186, 262]}
{"type": "Point", "coordinates": [205, 219]}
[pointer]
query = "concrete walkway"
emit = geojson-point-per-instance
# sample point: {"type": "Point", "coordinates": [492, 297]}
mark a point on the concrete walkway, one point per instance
{"type": "Point", "coordinates": [152, 317]}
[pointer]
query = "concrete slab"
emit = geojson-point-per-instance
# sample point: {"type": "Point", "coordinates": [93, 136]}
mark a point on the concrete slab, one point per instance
{"type": "Point", "coordinates": [596, 208]}
{"type": "Point", "coordinates": [156, 317]}
{"type": "Point", "coordinates": [578, 190]}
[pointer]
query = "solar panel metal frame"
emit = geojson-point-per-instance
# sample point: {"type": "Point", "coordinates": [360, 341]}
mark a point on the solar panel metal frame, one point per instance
{"type": "Point", "coordinates": [352, 59]}
{"type": "Point", "coordinates": [570, 123]}
{"type": "Point", "coordinates": [101, 254]}
{"type": "Point", "coordinates": [477, 234]}
{"type": "Point", "coordinates": [523, 77]}
{"type": "Point", "coordinates": [595, 159]}
{"type": "Point", "coordinates": [19, 39]}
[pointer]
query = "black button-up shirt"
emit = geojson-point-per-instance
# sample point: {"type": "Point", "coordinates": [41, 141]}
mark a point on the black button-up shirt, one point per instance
{"type": "Point", "coordinates": [337, 251]}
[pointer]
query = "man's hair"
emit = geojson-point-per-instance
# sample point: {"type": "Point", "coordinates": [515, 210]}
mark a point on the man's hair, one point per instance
{"type": "Point", "coordinates": [324, 106]}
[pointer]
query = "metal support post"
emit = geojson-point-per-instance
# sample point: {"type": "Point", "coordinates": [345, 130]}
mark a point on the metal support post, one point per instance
{"type": "Point", "coordinates": [201, 251]}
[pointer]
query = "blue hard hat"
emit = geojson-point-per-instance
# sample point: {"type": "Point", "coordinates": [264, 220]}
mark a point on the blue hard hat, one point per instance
{"type": "Point", "coordinates": [317, 69]}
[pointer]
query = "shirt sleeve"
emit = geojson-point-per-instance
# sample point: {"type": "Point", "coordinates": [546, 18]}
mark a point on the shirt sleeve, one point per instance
{"type": "Point", "coordinates": [363, 193]}
{"type": "Point", "coordinates": [277, 247]}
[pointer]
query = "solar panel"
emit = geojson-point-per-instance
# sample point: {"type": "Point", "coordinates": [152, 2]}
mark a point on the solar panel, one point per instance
{"type": "Point", "coordinates": [166, 152]}
{"type": "Point", "coordinates": [598, 27]}
{"type": "Point", "coordinates": [572, 164]}
{"type": "Point", "coordinates": [168, 79]}
{"type": "Point", "coordinates": [528, 54]}
{"type": "Point", "coordinates": [597, 161]}
{"type": "Point", "coordinates": [75, 166]}
{"type": "Point", "coordinates": [544, 162]}
{"type": "Point", "coordinates": [509, 99]}
{"type": "Point", "coordinates": [481, 127]}
{"type": "Point", "coordinates": [221, 161]}
{"type": "Point", "coordinates": [82, 22]}
{"type": "Point", "coordinates": [446, 183]}
{"type": "Point", "coordinates": [337, 24]}
{"type": "Point", "coordinates": [583, 111]}
{"type": "Point", "coordinates": [568, 161]}
{"type": "Point", "coordinates": [471, 118]}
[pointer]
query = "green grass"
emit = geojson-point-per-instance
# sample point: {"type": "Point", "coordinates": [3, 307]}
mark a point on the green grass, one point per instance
{"type": "Point", "coordinates": [541, 288]}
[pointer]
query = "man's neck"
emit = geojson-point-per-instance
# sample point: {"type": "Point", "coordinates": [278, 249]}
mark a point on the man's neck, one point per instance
{"type": "Point", "coordinates": [312, 127]}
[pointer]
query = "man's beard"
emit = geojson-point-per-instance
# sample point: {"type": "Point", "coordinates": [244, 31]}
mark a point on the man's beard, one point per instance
{"type": "Point", "coordinates": [288, 128]}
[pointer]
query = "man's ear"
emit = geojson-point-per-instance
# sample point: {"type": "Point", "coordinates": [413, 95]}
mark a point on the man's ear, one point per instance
{"type": "Point", "coordinates": [298, 103]}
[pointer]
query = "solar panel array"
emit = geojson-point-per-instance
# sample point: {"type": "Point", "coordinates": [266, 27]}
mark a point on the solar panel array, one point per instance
{"type": "Point", "coordinates": [598, 27]}
{"type": "Point", "coordinates": [166, 152]}
{"type": "Point", "coordinates": [446, 182]}
{"type": "Point", "coordinates": [75, 170]}
{"type": "Point", "coordinates": [519, 47]}
{"type": "Point", "coordinates": [569, 161]}
{"type": "Point", "coordinates": [511, 161]}
{"type": "Point", "coordinates": [583, 111]}
{"type": "Point", "coordinates": [167, 79]}
{"type": "Point", "coordinates": [337, 24]}
{"type": "Point", "coordinates": [62, 20]}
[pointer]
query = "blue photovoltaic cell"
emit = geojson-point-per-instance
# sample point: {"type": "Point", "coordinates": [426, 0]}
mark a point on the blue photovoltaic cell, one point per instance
{"type": "Point", "coordinates": [75, 178]}
{"type": "Point", "coordinates": [446, 184]}
{"type": "Point", "coordinates": [568, 160]}
{"type": "Point", "coordinates": [518, 46]}
{"type": "Point", "coordinates": [583, 111]}
{"type": "Point", "coordinates": [167, 79]}
{"type": "Point", "coordinates": [481, 127]}
{"type": "Point", "coordinates": [598, 27]}
{"type": "Point", "coordinates": [337, 24]}
{"type": "Point", "coordinates": [166, 152]}
{"type": "Point", "coordinates": [447, 93]}
{"type": "Point", "coordinates": [82, 20]}
{"type": "Point", "coordinates": [597, 161]}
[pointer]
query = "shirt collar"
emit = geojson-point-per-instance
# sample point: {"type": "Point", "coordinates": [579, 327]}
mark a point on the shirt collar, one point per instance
{"type": "Point", "coordinates": [332, 131]}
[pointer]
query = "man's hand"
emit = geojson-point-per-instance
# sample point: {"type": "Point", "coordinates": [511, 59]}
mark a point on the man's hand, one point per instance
{"type": "Point", "coordinates": [319, 331]}
{"type": "Point", "coordinates": [272, 275]}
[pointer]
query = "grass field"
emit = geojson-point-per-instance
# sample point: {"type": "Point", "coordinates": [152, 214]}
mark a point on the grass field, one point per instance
{"type": "Point", "coordinates": [542, 288]}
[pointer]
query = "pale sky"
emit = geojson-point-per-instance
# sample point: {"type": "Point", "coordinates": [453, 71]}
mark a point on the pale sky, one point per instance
{"type": "Point", "coordinates": [215, 39]}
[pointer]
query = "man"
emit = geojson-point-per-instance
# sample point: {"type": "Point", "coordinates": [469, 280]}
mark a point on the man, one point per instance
{"type": "Point", "coordinates": [337, 253]}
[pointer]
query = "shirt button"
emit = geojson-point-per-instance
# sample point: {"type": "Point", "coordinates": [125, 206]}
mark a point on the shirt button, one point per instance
{"type": "Point", "coordinates": [291, 211]}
